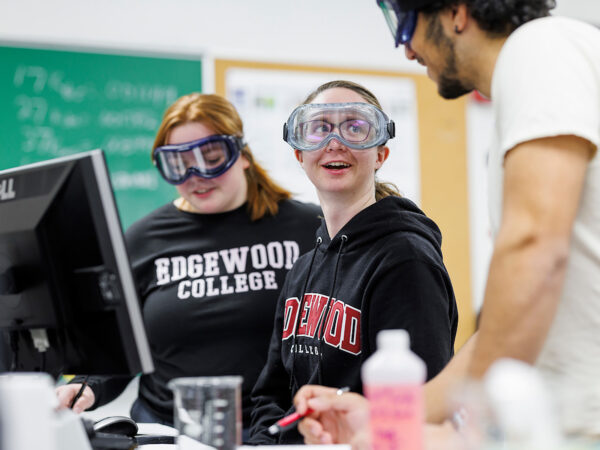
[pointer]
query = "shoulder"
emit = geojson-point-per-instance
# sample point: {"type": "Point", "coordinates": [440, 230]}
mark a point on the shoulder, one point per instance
{"type": "Point", "coordinates": [158, 218]}
{"type": "Point", "coordinates": [549, 42]}
{"type": "Point", "coordinates": [403, 260]}
{"type": "Point", "coordinates": [409, 241]}
{"type": "Point", "coordinates": [560, 58]}
{"type": "Point", "coordinates": [298, 215]}
{"type": "Point", "coordinates": [404, 246]}
{"type": "Point", "coordinates": [299, 209]}
{"type": "Point", "coordinates": [552, 30]}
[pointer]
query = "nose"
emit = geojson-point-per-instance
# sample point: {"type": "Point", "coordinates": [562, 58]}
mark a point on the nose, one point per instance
{"type": "Point", "coordinates": [409, 52]}
{"type": "Point", "coordinates": [334, 144]}
{"type": "Point", "coordinates": [197, 182]}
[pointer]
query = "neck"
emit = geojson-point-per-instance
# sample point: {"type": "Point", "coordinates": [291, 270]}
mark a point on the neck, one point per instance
{"type": "Point", "coordinates": [485, 61]}
{"type": "Point", "coordinates": [338, 210]}
{"type": "Point", "coordinates": [183, 205]}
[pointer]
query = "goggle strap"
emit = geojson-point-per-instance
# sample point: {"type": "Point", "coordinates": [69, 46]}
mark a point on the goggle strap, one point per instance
{"type": "Point", "coordinates": [240, 143]}
{"type": "Point", "coordinates": [391, 129]}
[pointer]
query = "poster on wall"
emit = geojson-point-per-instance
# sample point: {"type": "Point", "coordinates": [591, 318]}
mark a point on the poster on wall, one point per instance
{"type": "Point", "coordinates": [266, 97]}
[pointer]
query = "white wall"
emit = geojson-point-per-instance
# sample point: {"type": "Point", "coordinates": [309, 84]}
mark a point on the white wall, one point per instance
{"type": "Point", "coordinates": [588, 10]}
{"type": "Point", "coordinates": [304, 31]}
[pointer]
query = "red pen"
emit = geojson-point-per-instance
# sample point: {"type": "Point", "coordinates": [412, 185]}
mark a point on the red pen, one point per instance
{"type": "Point", "coordinates": [295, 417]}
{"type": "Point", "coordinates": [287, 421]}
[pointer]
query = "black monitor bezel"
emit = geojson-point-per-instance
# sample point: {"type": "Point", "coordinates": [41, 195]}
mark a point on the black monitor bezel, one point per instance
{"type": "Point", "coordinates": [106, 223]}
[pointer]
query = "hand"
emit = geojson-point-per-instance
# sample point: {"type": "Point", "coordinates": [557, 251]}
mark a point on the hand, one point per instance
{"type": "Point", "coordinates": [361, 440]}
{"type": "Point", "coordinates": [67, 393]}
{"type": "Point", "coordinates": [336, 419]}
{"type": "Point", "coordinates": [443, 437]}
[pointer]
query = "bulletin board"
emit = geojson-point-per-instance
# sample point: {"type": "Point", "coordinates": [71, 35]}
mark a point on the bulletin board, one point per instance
{"type": "Point", "coordinates": [432, 133]}
{"type": "Point", "coordinates": [56, 102]}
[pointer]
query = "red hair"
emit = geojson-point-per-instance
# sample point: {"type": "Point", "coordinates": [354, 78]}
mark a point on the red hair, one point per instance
{"type": "Point", "coordinates": [264, 194]}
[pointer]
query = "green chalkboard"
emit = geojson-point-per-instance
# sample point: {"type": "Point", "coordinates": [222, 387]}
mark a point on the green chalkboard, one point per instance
{"type": "Point", "coordinates": [57, 102]}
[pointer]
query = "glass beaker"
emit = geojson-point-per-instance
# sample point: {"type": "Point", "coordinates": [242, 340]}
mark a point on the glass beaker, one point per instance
{"type": "Point", "coordinates": [209, 410]}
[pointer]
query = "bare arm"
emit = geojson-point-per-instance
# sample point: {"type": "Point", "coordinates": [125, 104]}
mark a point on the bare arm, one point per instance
{"type": "Point", "coordinates": [437, 390]}
{"type": "Point", "coordinates": [341, 419]}
{"type": "Point", "coordinates": [543, 181]}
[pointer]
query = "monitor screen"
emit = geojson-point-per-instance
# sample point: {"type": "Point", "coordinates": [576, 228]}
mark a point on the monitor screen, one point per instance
{"type": "Point", "coordinates": [68, 303]}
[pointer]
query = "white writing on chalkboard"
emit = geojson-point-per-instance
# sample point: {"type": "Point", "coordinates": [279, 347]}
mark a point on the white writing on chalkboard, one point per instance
{"type": "Point", "coordinates": [31, 108]}
{"type": "Point", "coordinates": [42, 117]}
{"type": "Point", "coordinates": [40, 79]}
{"type": "Point", "coordinates": [43, 140]}
{"type": "Point", "coordinates": [36, 110]}
{"type": "Point", "coordinates": [145, 179]}
{"type": "Point", "coordinates": [129, 118]}
{"type": "Point", "coordinates": [37, 76]}
{"type": "Point", "coordinates": [129, 92]}
{"type": "Point", "coordinates": [128, 145]}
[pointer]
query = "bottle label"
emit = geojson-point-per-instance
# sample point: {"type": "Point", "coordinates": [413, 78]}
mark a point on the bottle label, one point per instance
{"type": "Point", "coordinates": [396, 416]}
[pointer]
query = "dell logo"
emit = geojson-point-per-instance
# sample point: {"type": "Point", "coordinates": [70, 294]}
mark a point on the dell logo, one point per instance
{"type": "Point", "coordinates": [7, 191]}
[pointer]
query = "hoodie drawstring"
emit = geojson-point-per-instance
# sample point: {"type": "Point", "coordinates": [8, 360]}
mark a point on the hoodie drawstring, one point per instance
{"type": "Point", "coordinates": [321, 330]}
{"type": "Point", "coordinates": [296, 325]}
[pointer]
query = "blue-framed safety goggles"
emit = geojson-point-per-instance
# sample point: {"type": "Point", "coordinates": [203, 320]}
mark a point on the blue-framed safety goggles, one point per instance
{"type": "Point", "coordinates": [359, 126]}
{"type": "Point", "coordinates": [402, 24]}
{"type": "Point", "coordinates": [209, 157]}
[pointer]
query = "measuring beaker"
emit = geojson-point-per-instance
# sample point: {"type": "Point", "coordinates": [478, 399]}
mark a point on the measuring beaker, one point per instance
{"type": "Point", "coordinates": [209, 410]}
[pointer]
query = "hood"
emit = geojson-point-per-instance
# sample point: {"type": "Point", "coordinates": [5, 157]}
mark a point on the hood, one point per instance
{"type": "Point", "coordinates": [388, 215]}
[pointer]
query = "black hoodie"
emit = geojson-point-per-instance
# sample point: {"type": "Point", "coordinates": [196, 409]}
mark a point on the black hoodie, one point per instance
{"type": "Point", "coordinates": [383, 270]}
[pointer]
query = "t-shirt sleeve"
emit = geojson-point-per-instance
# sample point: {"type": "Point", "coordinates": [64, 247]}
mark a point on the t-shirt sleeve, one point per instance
{"type": "Point", "coordinates": [545, 85]}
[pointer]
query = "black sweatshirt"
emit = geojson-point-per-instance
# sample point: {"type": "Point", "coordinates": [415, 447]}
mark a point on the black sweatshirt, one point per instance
{"type": "Point", "coordinates": [209, 285]}
{"type": "Point", "coordinates": [383, 270]}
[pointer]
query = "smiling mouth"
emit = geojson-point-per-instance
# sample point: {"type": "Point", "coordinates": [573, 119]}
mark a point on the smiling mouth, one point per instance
{"type": "Point", "coordinates": [202, 191]}
{"type": "Point", "coordinates": [338, 165]}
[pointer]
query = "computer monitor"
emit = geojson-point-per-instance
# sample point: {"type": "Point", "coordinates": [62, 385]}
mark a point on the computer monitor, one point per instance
{"type": "Point", "coordinates": [68, 302]}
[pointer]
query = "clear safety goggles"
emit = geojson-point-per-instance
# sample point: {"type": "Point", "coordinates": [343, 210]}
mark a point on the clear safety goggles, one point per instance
{"type": "Point", "coordinates": [402, 24]}
{"type": "Point", "coordinates": [209, 157]}
{"type": "Point", "coordinates": [356, 125]}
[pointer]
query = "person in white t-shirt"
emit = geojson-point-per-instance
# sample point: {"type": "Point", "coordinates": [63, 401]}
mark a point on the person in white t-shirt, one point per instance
{"type": "Point", "coordinates": [542, 299]}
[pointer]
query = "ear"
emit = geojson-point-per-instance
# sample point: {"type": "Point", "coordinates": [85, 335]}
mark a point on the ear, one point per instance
{"type": "Point", "coordinates": [454, 18]}
{"type": "Point", "coordinates": [298, 155]}
{"type": "Point", "coordinates": [460, 17]}
{"type": "Point", "coordinates": [245, 162]}
{"type": "Point", "coordinates": [382, 154]}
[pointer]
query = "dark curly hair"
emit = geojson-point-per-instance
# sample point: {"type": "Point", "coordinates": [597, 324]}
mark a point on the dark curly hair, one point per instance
{"type": "Point", "coordinates": [498, 17]}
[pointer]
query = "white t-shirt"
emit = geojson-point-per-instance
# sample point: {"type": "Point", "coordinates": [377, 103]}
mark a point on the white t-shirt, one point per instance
{"type": "Point", "coordinates": [547, 83]}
